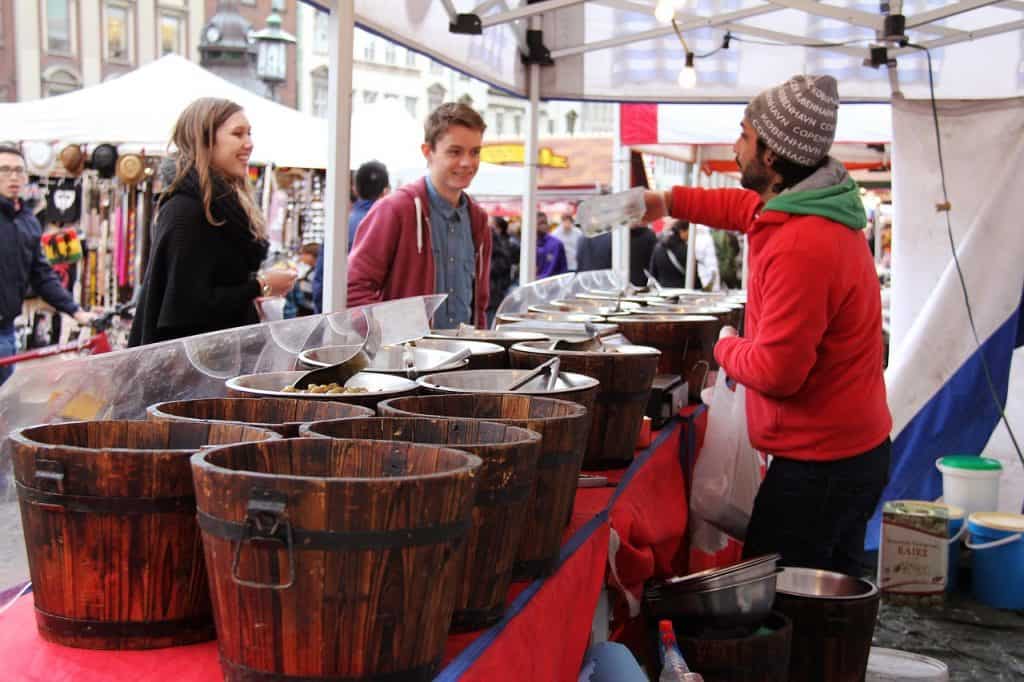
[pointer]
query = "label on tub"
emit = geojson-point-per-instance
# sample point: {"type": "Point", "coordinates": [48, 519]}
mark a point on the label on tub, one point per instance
{"type": "Point", "coordinates": [913, 554]}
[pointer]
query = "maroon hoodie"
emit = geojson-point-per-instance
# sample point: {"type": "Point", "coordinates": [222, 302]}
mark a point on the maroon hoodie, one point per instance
{"type": "Point", "coordinates": [392, 256]}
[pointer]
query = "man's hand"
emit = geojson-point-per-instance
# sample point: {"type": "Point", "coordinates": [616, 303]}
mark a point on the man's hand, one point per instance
{"type": "Point", "coordinates": [83, 317]}
{"type": "Point", "coordinates": [726, 332]}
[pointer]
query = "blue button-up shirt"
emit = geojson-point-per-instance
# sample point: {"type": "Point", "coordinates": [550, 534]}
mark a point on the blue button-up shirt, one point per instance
{"type": "Point", "coordinates": [451, 240]}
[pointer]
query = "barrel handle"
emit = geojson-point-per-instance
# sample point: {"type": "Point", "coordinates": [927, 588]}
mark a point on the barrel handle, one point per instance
{"type": "Point", "coordinates": [959, 534]}
{"type": "Point", "coordinates": [50, 473]}
{"type": "Point", "coordinates": [995, 543]}
{"type": "Point", "coordinates": [266, 520]}
{"type": "Point", "coordinates": [707, 371]}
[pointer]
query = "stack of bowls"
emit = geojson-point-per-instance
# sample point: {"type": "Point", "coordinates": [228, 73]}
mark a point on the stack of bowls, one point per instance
{"type": "Point", "coordinates": [735, 596]}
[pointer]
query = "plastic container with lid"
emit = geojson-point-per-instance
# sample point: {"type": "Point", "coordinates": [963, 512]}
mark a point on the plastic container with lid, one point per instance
{"type": "Point", "coordinates": [970, 482]}
{"type": "Point", "coordinates": [892, 665]}
{"type": "Point", "coordinates": [997, 562]}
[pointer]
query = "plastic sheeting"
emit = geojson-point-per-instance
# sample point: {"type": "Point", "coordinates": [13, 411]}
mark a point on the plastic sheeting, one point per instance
{"type": "Point", "coordinates": [121, 385]}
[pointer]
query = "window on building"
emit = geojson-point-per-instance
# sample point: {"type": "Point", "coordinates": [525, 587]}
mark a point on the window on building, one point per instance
{"type": "Point", "coordinates": [59, 81]}
{"type": "Point", "coordinates": [319, 80]}
{"type": "Point", "coordinates": [117, 20]}
{"type": "Point", "coordinates": [369, 96]}
{"type": "Point", "coordinates": [551, 126]}
{"type": "Point", "coordinates": [390, 97]}
{"type": "Point", "coordinates": [390, 53]}
{"type": "Point", "coordinates": [59, 26]}
{"type": "Point", "coordinates": [499, 123]}
{"type": "Point", "coordinates": [435, 96]}
{"type": "Point", "coordinates": [370, 50]}
{"type": "Point", "coordinates": [410, 105]}
{"type": "Point", "coordinates": [517, 124]}
{"type": "Point", "coordinates": [410, 59]}
{"type": "Point", "coordinates": [436, 67]}
{"type": "Point", "coordinates": [321, 39]}
{"type": "Point", "coordinates": [172, 33]}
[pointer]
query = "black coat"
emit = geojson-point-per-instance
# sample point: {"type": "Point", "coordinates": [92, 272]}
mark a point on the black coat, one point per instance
{"type": "Point", "coordinates": [22, 264]}
{"type": "Point", "coordinates": [501, 269]}
{"type": "Point", "coordinates": [667, 274]}
{"type": "Point", "coordinates": [595, 253]}
{"type": "Point", "coordinates": [200, 277]}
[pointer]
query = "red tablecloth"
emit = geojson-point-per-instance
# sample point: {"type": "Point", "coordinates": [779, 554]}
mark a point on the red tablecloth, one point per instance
{"type": "Point", "coordinates": [544, 633]}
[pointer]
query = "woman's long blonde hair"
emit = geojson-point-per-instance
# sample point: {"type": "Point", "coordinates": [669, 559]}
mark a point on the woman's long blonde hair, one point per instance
{"type": "Point", "coordinates": [194, 136]}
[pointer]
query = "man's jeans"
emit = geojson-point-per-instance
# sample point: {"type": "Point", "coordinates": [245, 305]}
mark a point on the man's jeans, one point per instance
{"type": "Point", "coordinates": [815, 513]}
{"type": "Point", "coordinates": [8, 347]}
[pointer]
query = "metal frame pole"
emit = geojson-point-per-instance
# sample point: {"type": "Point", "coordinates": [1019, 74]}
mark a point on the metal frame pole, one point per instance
{"type": "Point", "coordinates": [691, 243]}
{"type": "Point", "coordinates": [528, 233]}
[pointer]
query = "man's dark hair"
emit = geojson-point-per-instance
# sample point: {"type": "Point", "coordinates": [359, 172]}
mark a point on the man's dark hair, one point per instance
{"type": "Point", "coordinates": [680, 225]}
{"type": "Point", "coordinates": [371, 180]}
{"type": "Point", "coordinates": [11, 149]}
{"type": "Point", "coordinates": [792, 173]}
{"type": "Point", "coordinates": [311, 248]}
{"type": "Point", "coordinates": [501, 224]}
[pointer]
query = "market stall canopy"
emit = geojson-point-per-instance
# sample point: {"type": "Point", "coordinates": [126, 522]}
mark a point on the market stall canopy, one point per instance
{"type": "Point", "coordinates": [618, 50]}
{"type": "Point", "coordinates": [140, 108]}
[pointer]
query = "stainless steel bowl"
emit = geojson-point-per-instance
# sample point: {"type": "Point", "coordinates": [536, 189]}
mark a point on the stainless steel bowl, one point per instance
{"type": "Point", "coordinates": [816, 584]}
{"type": "Point", "coordinates": [744, 603]}
{"type": "Point", "coordinates": [498, 381]}
{"type": "Point", "coordinates": [506, 318]}
{"type": "Point", "coordinates": [502, 337]}
{"type": "Point", "coordinates": [378, 387]}
{"type": "Point", "coordinates": [389, 359]}
{"type": "Point", "coordinates": [721, 577]}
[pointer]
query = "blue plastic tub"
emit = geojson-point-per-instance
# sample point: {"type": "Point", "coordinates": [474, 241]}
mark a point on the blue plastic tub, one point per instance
{"type": "Point", "coordinates": [997, 562]}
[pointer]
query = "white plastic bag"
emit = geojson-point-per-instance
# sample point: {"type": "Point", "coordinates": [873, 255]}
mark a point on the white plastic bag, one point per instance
{"type": "Point", "coordinates": [728, 470]}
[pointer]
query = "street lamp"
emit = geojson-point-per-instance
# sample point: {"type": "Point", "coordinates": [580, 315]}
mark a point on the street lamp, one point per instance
{"type": "Point", "coordinates": [272, 53]}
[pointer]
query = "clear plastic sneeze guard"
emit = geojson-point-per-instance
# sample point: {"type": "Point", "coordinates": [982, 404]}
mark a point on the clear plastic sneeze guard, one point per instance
{"type": "Point", "coordinates": [558, 287]}
{"type": "Point", "coordinates": [122, 384]}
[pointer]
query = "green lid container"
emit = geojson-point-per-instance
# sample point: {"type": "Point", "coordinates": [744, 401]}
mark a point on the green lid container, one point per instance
{"type": "Point", "coordinates": [971, 463]}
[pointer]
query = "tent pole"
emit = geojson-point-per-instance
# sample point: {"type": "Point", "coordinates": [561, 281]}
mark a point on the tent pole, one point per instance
{"type": "Point", "coordinates": [340, 26]}
{"type": "Point", "coordinates": [691, 243]}
{"type": "Point", "coordinates": [528, 231]}
{"type": "Point", "coordinates": [622, 179]}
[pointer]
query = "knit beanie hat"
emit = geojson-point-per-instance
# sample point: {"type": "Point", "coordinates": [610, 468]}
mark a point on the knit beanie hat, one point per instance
{"type": "Point", "coordinates": [797, 120]}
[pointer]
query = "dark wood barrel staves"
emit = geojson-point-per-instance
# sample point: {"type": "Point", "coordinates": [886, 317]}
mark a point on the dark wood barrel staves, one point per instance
{"type": "Point", "coordinates": [686, 342]}
{"type": "Point", "coordinates": [563, 427]}
{"type": "Point", "coordinates": [108, 512]}
{"type": "Point", "coordinates": [277, 414]}
{"type": "Point", "coordinates": [625, 387]}
{"type": "Point", "coordinates": [330, 558]}
{"type": "Point", "coordinates": [507, 480]}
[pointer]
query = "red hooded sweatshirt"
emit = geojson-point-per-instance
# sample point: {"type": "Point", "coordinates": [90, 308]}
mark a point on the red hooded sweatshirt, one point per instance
{"type": "Point", "coordinates": [811, 354]}
{"type": "Point", "coordinates": [392, 256]}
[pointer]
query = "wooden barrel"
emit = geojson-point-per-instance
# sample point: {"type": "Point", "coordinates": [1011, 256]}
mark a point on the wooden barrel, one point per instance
{"type": "Point", "coordinates": [571, 386]}
{"type": "Point", "coordinates": [563, 427]}
{"type": "Point", "coordinates": [282, 415]}
{"type": "Point", "coordinates": [760, 656]}
{"type": "Point", "coordinates": [686, 343]}
{"type": "Point", "coordinates": [109, 516]}
{"type": "Point", "coordinates": [625, 375]}
{"type": "Point", "coordinates": [831, 637]}
{"type": "Point", "coordinates": [329, 558]}
{"type": "Point", "coordinates": [507, 480]}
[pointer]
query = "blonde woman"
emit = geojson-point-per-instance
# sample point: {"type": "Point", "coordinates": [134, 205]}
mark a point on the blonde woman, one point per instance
{"type": "Point", "coordinates": [209, 237]}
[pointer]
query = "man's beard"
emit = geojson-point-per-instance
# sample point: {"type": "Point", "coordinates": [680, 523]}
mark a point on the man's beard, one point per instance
{"type": "Point", "coordinates": [755, 176]}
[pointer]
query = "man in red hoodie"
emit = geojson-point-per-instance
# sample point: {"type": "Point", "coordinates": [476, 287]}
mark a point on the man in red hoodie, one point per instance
{"type": "Point", "coordinates": [811, 357]}
{"type": "Point", "coordinates": [429, 236]}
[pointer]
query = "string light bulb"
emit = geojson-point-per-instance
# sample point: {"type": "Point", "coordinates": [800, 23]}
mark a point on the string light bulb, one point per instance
{"type": "Point", "coordinates": [665, 11]}
{"type": "Point", "coordinates": [688, 75]}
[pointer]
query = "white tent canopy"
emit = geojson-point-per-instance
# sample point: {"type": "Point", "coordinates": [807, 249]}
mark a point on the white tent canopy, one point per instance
{"type": "Point", "coordinates": [140, 108]}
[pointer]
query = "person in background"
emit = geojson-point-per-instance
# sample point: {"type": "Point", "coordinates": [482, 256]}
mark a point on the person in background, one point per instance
{"type": "Point", "coordinates": [430, 236]}
{"type": "Point", "coordinates": [550, 251]}
{"type": "Point", "coordinates": [371, 182]}
{"type": "Point", "coordinates": [22, 263]}
{"type": "Point", "coordinates": [813, 338]}
{"type": "Point", "coordinates": [503, 262]}
{"type": "Point", "coordinates": [668, 262]}
{"type": "Point", "coordinates": [299, 301]}
{"type": "Point", "coordinates": [570, 236]}
{"type": "Point", "coordinates": [596, 252]}
{"type": "Point", "coordinates": [209, 236]}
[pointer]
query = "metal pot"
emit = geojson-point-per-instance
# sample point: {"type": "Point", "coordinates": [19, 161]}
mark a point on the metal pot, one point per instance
{"type": "Point", "coordinates": [721, 577]}
{"type": "Point", "coordinates": [745, 603]}
{"type": "Point", "coordinates": [577, 318]}
{"type": "Point", "coordinates": [570, 386]}
{"type": "Point", "coordinates": [816, 584]}
{"type": "Point", "coordinates": [389, 359]}
{"type": "Point", "coordinates": [505, 338]}
{"type": "Point", "coordinates": [484, 355]}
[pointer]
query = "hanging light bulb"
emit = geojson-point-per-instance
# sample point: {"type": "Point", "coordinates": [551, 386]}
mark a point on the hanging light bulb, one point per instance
{"type": "Point", "coordinates": [664, 11]}
{"type": "Point", "coordinates": [688, 76]}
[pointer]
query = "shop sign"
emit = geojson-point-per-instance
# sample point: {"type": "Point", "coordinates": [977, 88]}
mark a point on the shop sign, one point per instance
{"type": "Point", "coordinates": [516, 153]}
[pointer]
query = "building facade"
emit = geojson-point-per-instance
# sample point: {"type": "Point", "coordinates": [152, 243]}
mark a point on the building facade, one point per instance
{"type": "Point", "coordinates": [48, 47]}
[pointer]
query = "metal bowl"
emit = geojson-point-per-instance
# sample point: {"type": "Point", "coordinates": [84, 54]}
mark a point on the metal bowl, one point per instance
{"type": "Point", "coordinates": [389, 359]}
{"type": "Point", "coordinates": [744, 603]}
{"type": "Point", "coordinates": [502, 337]}
{"type": "Point", "coordinates": [816, 584]}
{"type": "Point", "coordinates": [498, 381]}
{"type": "Point", "coordinates": [544, 348]}
{"type": "Point", "coordinates": [483, 355]}
{"type": "Point", "coordinates": [721, 577]}
{"type": "Point", "coordinates": [506, 318]}
{"type": "Point", "coordinates": [378, 387]}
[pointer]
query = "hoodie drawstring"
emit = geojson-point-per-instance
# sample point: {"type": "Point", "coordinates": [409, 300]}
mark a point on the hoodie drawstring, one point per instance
{"type": "Point", "coordinates": [419, 224]}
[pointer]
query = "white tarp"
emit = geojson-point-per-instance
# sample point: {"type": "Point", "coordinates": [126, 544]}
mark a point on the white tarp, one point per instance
{"type": "Point", "coordinates": [140, 108]}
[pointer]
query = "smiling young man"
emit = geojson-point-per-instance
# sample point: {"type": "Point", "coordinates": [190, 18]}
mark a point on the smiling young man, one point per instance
{"type": "Point", "coordinates": [21, 257]}
{"type": "Point", "coordinates": [811, 355]}
{"type": "Point", "coordinates": [429, 236]}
